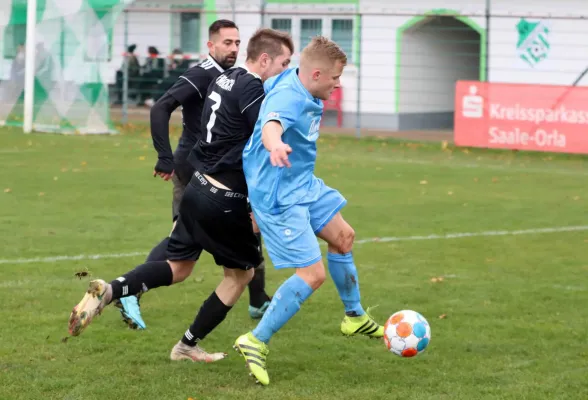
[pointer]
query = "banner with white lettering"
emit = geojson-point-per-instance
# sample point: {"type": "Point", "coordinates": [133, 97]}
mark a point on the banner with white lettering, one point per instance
{"type": "Point", "coordinates": [521, 116]}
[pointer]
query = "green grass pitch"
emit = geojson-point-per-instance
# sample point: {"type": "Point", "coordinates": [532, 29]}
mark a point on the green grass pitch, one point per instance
{"type": "Point", "coordinates": [508, 317]}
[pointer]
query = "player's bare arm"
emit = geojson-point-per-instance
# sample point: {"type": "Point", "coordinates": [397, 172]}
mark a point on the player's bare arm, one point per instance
{"type": "Point", "coordinates": [271, 136]}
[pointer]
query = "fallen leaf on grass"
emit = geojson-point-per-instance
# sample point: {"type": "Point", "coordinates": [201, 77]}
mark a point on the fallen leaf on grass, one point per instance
{"type": "Point", "coordinates": [442, 316]}
{"type": "Point", "coordinates": [83, 163]}
{"type": "Point", "coordinates": [82, 274]}
{"type": "Point", "coordinates": [423, 182]}
{"type": "Point", "coordinates": [42, 194]}
{"type": "Point", "coordinates": [444, 145]}
{"type": "Point", "coordinates": [494, 179]}
{"type": "Point", "coordinates": [437, 279]}
{"type": "Point", "coordinates": [7, 190]}
{"type": "Point", "coordinates": [142, 158]}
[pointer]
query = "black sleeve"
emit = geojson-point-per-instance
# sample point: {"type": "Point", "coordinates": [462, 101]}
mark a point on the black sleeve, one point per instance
{"type": "Point", "coordinates": [160, 115]}
{"type": "Point", "coordinates": [250, 101]}
{"type": "Point", "coordinates": [189, 85]}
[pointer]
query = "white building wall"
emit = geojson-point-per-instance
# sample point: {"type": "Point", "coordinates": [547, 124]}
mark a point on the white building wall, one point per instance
{"type": "Point", "coordinates": [567, 58]}
{"type": "Point", "coordinates": [376, 75]}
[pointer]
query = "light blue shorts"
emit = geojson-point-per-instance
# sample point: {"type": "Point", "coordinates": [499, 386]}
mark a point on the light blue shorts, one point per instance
{"type": "Point", "coordinates": [290, 237]}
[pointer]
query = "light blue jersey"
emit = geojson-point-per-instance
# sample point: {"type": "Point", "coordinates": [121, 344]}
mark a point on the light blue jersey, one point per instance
{"type": "Point", "coordinates": [274, 189]}
{"type": "Point", "coordinates": [290, 205]}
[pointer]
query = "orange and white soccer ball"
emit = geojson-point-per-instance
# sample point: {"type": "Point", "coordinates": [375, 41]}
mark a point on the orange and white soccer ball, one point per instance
{"type": "Point", "coordinates": [407, 333]}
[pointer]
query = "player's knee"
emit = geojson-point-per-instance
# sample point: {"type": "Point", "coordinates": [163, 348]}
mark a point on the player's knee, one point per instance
{"type": "Point", "coordinates": [344, 242]}
{"type": "Point", "coordinates": [239, 277]}
{"type": "Point", "coordinates": [181, 270]}
{"type": "Point", "coordinates": [248, 276]}
{"type": "Point", "coordinates": [313, 275]}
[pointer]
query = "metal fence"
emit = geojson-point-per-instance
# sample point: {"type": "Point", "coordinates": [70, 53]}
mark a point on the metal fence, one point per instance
{"type": "Point", "coordinates": [403, 66]}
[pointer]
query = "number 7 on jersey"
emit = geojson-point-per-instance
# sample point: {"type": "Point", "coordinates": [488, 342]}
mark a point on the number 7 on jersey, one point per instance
{"type": "Point", "coordinates": [214, 96]}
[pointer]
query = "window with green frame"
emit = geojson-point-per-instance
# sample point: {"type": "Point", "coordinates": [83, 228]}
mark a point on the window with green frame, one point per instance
{"type": "Point", "coordinates": [14, 36]}
{"type": "Point", "coordinates": [190, 32]}
{"type": "Point", "coordinates": [308, 29]}
{"type": "Point", "coordinates": [342, 34]}
{"type": "Point", "coordinates": [282, 24]}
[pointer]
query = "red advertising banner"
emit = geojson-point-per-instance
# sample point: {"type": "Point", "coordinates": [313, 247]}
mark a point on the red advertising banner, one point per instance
{"type": "Point", "coordinates": [521, 116]}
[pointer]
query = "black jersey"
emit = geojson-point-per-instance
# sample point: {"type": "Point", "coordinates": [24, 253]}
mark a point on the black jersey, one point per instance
{"type": "Point", "coordinates": [230, 112]}
{"type": "Point", "coordinates": [189, 92]}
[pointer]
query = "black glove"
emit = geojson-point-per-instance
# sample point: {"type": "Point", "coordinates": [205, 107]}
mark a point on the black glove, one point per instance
{"type": "Point", "coordinates": [165, 165]}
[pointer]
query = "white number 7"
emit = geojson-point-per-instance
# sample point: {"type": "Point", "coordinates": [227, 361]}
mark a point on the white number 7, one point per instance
{"type": "Point", "coordinates": [214, 96]}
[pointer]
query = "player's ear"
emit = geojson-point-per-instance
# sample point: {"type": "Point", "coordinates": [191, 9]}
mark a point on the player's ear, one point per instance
{"type": "Point", "coordinates": [316, 74]}
{"type": "Point", "coordinates": [264, 60]}
{"type": "Point", "coordinates": [210, 46]}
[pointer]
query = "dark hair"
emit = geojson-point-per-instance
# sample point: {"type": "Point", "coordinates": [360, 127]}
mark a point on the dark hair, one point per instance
{"type": "Point", "coordinates": [270, 41]}
{"type": "Point", "coordinates": [219, 24]}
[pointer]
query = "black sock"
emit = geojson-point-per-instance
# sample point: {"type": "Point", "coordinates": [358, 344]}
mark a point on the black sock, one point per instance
{"type": "Point", "coordinates": [257, 294]}
{"type": "Point", "coordinates": [159, 252]}
{"type": "Point", "coordinates": [146, 276]}
{"type": "Point", "coordinates": [211, 314]}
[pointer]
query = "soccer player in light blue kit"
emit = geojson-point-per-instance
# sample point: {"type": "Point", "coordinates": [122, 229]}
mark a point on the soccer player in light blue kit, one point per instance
{"type": "Point", "coordinates": [292, 206]}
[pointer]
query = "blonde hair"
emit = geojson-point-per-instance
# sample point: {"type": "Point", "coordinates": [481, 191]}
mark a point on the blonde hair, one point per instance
{"type": "Point", "coordinates": [321, 48]}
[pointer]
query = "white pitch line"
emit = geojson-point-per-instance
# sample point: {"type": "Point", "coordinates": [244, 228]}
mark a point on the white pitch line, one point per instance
{"type": "Point", "coordinates": [456, 164]}
{"type": "Point", "coordinates": [476, 234]}
{"type": "Point", "coordinates": [72, 258]}
{"type": "Point", "coordinates": [363, 241]}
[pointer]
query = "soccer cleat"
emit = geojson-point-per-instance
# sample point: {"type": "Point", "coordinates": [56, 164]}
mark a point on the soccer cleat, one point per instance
{"type": "Point", "coordinates": [95, 299]}
{"type": "Point", "coordinates": [255, 353]}
{"type": "Point", "coordinates": [257, 313]}
{"type": "Point", "coordinates": [363, 324]}
{"type": "Point", "coordinates": [182, 351]}
{"type": "Point", "coordinates": [131, 312]}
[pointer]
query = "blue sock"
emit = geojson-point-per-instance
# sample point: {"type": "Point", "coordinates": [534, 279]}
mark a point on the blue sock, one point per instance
{"type": "Point", "coordinates": [285, 303]}
{"type": "Point", "coordinates": [344, 274]}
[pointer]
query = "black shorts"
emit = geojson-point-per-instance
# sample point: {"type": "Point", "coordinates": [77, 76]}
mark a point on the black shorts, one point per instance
{"type": "Point", "coordinates": [215, 220]}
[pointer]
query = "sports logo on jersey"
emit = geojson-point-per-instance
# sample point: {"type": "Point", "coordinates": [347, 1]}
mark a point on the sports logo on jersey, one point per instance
{"type": "Point", "coordinates": [273, 115]}
{"type": "Point", "coordinates": [313, 130]}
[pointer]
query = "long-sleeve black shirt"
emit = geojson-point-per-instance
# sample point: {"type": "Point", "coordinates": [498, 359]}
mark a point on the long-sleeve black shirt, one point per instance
{"type": "Point", "coordinates": [189, 92]}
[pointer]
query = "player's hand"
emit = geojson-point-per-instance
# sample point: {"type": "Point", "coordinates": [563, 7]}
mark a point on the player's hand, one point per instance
{"type": "Point", "coordinates": [279, 155]}
{"type": "Point", "coordinates": [164, 168]}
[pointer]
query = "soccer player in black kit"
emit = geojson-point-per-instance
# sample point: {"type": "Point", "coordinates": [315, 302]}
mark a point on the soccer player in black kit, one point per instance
{"type": "Point", "coordinates": [213, 213]}
{"type": "Point", "coordinates": [189, 92]}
